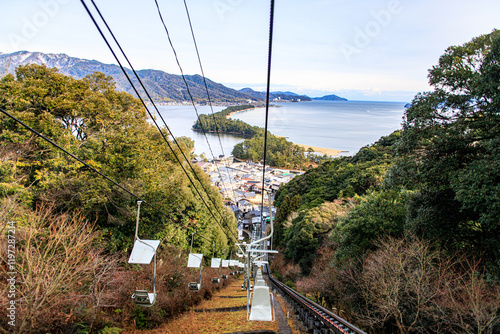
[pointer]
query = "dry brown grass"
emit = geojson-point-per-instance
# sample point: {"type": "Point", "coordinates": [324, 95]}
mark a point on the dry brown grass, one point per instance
{"type": "Point", "coordinates": [215, 322]}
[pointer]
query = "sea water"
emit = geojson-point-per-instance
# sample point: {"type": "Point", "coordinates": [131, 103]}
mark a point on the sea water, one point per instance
{"type": "Point", "coordinates": [340, 125]}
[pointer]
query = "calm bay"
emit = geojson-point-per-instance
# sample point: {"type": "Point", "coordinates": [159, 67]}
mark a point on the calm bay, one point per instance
{"type": "Point", "coordinates": [341, 125]}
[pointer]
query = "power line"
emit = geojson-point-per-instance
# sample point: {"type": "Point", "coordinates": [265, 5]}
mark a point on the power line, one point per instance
{"type": "Point", "coordinates": [208, 96]}
{"type": "Point", "coordinates": [80, 160]}
{"type": "Point", "coordinates": [271, 23]}
{"type": "Point", "coordinates": [189, 92]}
{"type": "Point", "coordinates": [152, 117]}
{"type": "Point", "coordinates": [147, 109]}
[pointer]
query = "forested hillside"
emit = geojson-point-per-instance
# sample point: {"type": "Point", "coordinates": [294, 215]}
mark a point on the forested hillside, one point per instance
{"type": "Point", "coordinates": [161, 86]}
{"type": "Point", "coordinates": [73, 227]}
{"type": "Point", "coordinates": [405, 236]}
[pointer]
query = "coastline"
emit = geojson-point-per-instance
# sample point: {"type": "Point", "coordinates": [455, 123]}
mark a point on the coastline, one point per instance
{"type": "Point", "coordinates": [321, 150]}
{"type": "Point", "coordinates": [237, 111]}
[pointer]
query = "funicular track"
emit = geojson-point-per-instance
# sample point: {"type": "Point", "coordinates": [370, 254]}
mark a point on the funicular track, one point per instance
{"type": "Point", "coordinates": [316, 318]}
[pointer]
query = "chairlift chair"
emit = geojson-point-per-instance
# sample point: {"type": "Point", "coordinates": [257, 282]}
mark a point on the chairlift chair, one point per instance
{"type": "Point", "coordinates": [143, 252]}
{"type": "Point", "coordinates": [225, 264]}
{"type": "Point", "coordinates": [233, 264]}
{"type": "Point", "coordinates": [215, 263]}
{"type": "Point", "coordinates": [194, 261]}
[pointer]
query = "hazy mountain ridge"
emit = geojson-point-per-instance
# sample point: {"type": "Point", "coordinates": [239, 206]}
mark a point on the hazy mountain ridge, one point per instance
{"type": "Point", "coordinates": [289, 96]}
{"type": "Point", "coordinates": [275, 96]}
{"type": "Point", "coordinates": [162, 86]}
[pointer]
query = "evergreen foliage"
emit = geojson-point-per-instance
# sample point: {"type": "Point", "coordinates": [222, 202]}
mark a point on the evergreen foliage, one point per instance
{"type": "Point", "coordinates": [219, 122]}
{"type": "Point", "coordinates": [343, 177]}
{"type": "Point", "coordinates": [449, 150]}
{"type": "Point", "coordinates": [437, 179]}
{"type": "Point", "coordinates": [108, 130]}
{"type": "Point", "coordinates": [280, 152]}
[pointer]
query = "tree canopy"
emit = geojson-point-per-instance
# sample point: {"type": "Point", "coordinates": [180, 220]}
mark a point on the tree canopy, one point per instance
{"type": "Point", "coordinates": [438, 178]}
{"type": "Point", "coordinates": [449, 149]}
{"type": "Point", "coordinates": [109, 131]}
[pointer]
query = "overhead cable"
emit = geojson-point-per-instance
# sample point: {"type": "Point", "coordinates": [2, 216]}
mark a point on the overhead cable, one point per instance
{"type": "Point", "coordinates": [270, 48]}
{"type": "Point", "coordinates": [150, 114]}
{"type": "Point", "coordinates": [208, 96]}
{"type": "Point", "coordinates": [191, 96]}
{"type": "Point", "coordinates": [79, 160]}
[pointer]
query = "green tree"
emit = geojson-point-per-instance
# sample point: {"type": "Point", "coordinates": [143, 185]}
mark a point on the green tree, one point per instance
{"type": "Point", "coordinates": [279, 221]}
{"type": "Point", "coordinates": [109, 131]}
{"type": "Point", "coordinates": [343, 177]}
{"type": "Point", "coordinates": [309, 231]}
{"type": "Point", "coordinates": [449, 149]}
{"type": "Point", "coordinates": [378, 214]}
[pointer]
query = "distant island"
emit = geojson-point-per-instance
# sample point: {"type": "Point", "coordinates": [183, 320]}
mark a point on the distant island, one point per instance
{"type": "Point", "coordinates": [332, 97]}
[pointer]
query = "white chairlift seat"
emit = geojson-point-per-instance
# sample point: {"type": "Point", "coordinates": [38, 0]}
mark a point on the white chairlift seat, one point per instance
{"type": "Point", "coordinates": [143, 252]}
{"type": "Point", "coordinates": [194, 286]}
{"type": "Point", "coordinates": [194, 261]}
{"type": "Point", "coordinates": [261, 309]}
{"type": "Point", "coordinates": [216, 263]}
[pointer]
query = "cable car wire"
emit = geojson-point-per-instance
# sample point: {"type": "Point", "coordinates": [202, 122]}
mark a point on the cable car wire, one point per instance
{"type": "Point", "coordinates": [208, 96]}
{"type": "Point", "coordinates": [270, 48]}
{"type": "Point", "coordinates": [79, 160]}
{"type": "Point", "coordinates": [152, 117]}
{"type": "Point", "coordinates": [191, 96]}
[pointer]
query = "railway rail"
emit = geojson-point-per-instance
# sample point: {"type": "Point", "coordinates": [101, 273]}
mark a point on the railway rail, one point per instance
{"type": "Point", "coordinates": [316, 318]}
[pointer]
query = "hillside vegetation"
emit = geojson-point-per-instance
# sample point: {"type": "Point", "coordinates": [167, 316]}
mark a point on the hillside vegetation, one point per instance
{"type": "Point", "coordinates": [162, 86]}
{"type": "Point", "coordinates": [73, 227]}
{"type": "Point", "coordinates": [219, 122]}
{"type": "Point", "coordinates": [405, 235]}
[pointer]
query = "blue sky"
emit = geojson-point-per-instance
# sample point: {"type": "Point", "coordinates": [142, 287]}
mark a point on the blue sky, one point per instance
{"type": "Point", "coordinates": [361, 50]}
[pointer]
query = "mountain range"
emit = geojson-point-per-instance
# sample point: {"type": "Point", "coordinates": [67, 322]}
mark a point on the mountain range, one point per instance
{"type": "Point", "coordinates": [276, 96]}
{"type": "Point", "coordinates": [162, 86]}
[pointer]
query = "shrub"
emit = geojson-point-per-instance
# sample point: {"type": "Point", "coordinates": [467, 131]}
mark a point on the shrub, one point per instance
{"type": "Point", "coordinates": [61, 274]}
